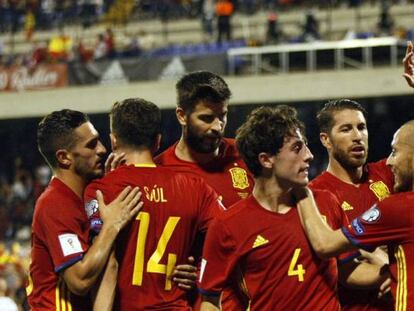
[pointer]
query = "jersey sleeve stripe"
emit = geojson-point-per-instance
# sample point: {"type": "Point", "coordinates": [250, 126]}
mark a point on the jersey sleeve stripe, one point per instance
{"type": "Point", "coordinates": [208, 293]}
{"type": "Point", "coordinates": [69, 263]}
{"type": "Point", "coordinates": [355, 242]}
{"type": "Point", "coordinates": [349, 257]}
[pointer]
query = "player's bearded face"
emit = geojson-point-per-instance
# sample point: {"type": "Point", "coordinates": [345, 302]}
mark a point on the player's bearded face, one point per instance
{"type": "Point", "coordinates": [205, 127]}
{"type": "Point", "coordinates": [349, 139]}
{"type": "Point", "coordinates": [88, 153]}
{"type": "Point", "coordinates": [202, 142]}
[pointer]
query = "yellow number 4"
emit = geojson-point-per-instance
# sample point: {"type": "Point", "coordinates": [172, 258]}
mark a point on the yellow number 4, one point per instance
{"type": "Point", "coordinates": [296, 269]}
{"type": "Point", "coordinates": [153, 265]}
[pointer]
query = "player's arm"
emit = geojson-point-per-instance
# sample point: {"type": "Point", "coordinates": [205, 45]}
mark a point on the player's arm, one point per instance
{"type": "Point", "coordinates": [409, 65]}
{"type": "Point", "coordinates": [362, 274]}
{"type": "Point", "coordinates": [105, 291]}
{"type": "Point", "coordinates": [325, 241]}
{"type": "Point", "coordinates": [210, 303]}
{"type": "Point", "coordinates": [82, 275]}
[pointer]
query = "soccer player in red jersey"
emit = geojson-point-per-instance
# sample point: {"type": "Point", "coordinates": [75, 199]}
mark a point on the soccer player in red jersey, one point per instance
{"type": "Point", "coordinates": [177, 210]}
{"type": "Point", "coordinates": [64, 267]}
{"type": "Point", "coordinates": [202, 150]}
{"type": "Point", "coordinates": [388, 222]}
{"type": "Point", "coordinates": [356, 184]}
{"type": "Point", "coordinates": [261, 235]}
{"type": "Point", "coordinates": [202, 105]}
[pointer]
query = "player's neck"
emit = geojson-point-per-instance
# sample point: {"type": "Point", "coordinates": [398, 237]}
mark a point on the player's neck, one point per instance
{"type": "Point", "coordinates": [271, 196]}
{"type": "Point", "coordinates": [348, 175]}
{"type": "Point", "coordinates": [75, 182]}
{"type": "Point", "coordinates": [185, 153]}
{"type": "Point", "coordinates": [137, 156]}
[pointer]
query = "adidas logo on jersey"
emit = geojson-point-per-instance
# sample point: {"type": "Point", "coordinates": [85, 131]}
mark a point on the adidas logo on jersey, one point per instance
{"type": "Point", "coordinates": [346, 206]}
{"type": "Point", "coordinates": [260, 241]}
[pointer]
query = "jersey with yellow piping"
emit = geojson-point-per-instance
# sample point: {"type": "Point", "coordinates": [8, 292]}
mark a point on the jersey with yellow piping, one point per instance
{"type": "Point", "coordinates": [280, 269]}
{"type": "Point", "coordinates": [176, 212]}
{"type": "Point", "coordinates": [376, 184]}
{"type": "Point", "coordinates": [60, 232]}
{"type": "Point", "coordinates": [390, 222]}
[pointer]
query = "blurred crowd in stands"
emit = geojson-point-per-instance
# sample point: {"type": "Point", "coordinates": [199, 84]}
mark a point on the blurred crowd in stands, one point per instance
{"type": "Point", "coordinates": [17, 197]}
{"type": "Point", "coordinates": [215, 15]}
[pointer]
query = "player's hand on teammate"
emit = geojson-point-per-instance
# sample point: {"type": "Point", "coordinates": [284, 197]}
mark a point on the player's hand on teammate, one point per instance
{"type": "Point", "coordinates": [121, 210]}
{"type": "Point", "coordinates": [185, 276]}
{"type": "Point", "coordinates": [385, 288]}
{"type": "Point", "coordinates": [408, 63]}
{"type": "Point", "coordinates": [113, 161]}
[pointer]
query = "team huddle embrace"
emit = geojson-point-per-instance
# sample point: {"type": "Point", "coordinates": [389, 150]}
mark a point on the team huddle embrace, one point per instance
{"type": "Point", "coordinates": [214, 223]}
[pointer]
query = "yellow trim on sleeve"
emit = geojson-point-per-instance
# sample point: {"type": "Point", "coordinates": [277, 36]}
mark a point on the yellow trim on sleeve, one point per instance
{"type": "Point", "coordinates": [401, 295]}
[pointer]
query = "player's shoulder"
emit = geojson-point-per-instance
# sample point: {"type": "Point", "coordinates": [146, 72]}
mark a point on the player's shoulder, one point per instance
{"type": "Point", "coordinates": [229, 148]}
{"type": "Point", "coordinates": [56, 200]}
{"type": "Point", "coordinates": [324, 195]}
{"type": "Point", "coordinates": [238, 210]}
{"type": "Point", "coordinates": [322, 181]}
{"type": "Point", "coordinates": [167, 156]}
{"type": "Point", "coordinates": [399, 200]}
{"type": "Point", "coordinates": [381, 164]}
{"type": "Point", "coordinates": [185, 179]}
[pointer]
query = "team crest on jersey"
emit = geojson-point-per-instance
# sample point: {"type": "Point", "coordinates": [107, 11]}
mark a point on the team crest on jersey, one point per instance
{"type": "Point", "coordinates": [239, 178]}
{"type": "Point", "coordinates": [371, 215]}
{"type": "Point", "coordinates": [91, 208]}
{"type": "Point", "coordinates": [380, 189]}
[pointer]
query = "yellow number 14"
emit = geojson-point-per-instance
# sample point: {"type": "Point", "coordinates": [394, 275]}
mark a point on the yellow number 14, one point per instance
{"type": "Point", "coordinates": [295, 269]}
{"type": "Point", "coordinates": [153, 265]}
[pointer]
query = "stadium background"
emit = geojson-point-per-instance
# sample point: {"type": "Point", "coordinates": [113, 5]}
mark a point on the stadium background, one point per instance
{"type": "Point", "coordinates": [179, 45]}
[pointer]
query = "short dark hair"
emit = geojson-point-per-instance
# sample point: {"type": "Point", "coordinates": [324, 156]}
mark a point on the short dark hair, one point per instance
{"type": "Point", "coordinates": [135, 122]}
{"type": "Point", "coordinates": [56, 131]}
{"type": "Point", "coordinates": [265, 130]}
{"type": "Point", "coordinates": [326, 115]}
{"type": "Point", "coordinates": [201, 86]}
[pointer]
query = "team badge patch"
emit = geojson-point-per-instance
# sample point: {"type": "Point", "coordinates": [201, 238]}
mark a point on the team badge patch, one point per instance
{"type": "Point", "coordinates": [239, 178]}
{"type": "Point", "coordinates": [380, 190]}
{"type": "Point", "coordinates": [91, 208]}
{"type": "Point", "coordinates": [69, 242]}
{"type": "Point", "coordinates": [371, 215]}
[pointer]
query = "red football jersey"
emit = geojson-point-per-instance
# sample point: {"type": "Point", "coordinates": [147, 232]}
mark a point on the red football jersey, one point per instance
{"type": "Point", "coordinates": [376, 185]}
{"type": "Point", "coordinates": [177, 210]}
{"type": "Point", "coordinates": [230, 178]}
{"type": "Point", "coordinates": [60, 233]}
{"type": "Point", "coordinates": [228, 174]}
{"type": "Point", "coordinates": [390, 222]}
{"type": "Point", "coordinates": [280, 269]}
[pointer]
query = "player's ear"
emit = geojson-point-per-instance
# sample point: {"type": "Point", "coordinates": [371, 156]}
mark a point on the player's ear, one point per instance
{"type": "Point", "coordinates": [325, 140]}
{"type": "Point", "coordinates": [265, 160]}
{"type": "Point", "coordinates": [64, 158]}
{"type": "Point", "coordinates": [181, 116]}
{"type": "Point", "coordinates": [113, 140]}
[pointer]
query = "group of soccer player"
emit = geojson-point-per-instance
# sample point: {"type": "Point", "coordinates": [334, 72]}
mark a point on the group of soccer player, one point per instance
{"type": "Point", "coordinates": [215, 223]}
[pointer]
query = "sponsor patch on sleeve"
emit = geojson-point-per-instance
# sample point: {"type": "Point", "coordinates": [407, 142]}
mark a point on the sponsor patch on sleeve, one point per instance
{"type": "Point", "coordinates": [70, 244]}
{"type": "Point", "coordinates": [372, 215]}
{"type": "Point", "coordinates": [358, 228]}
